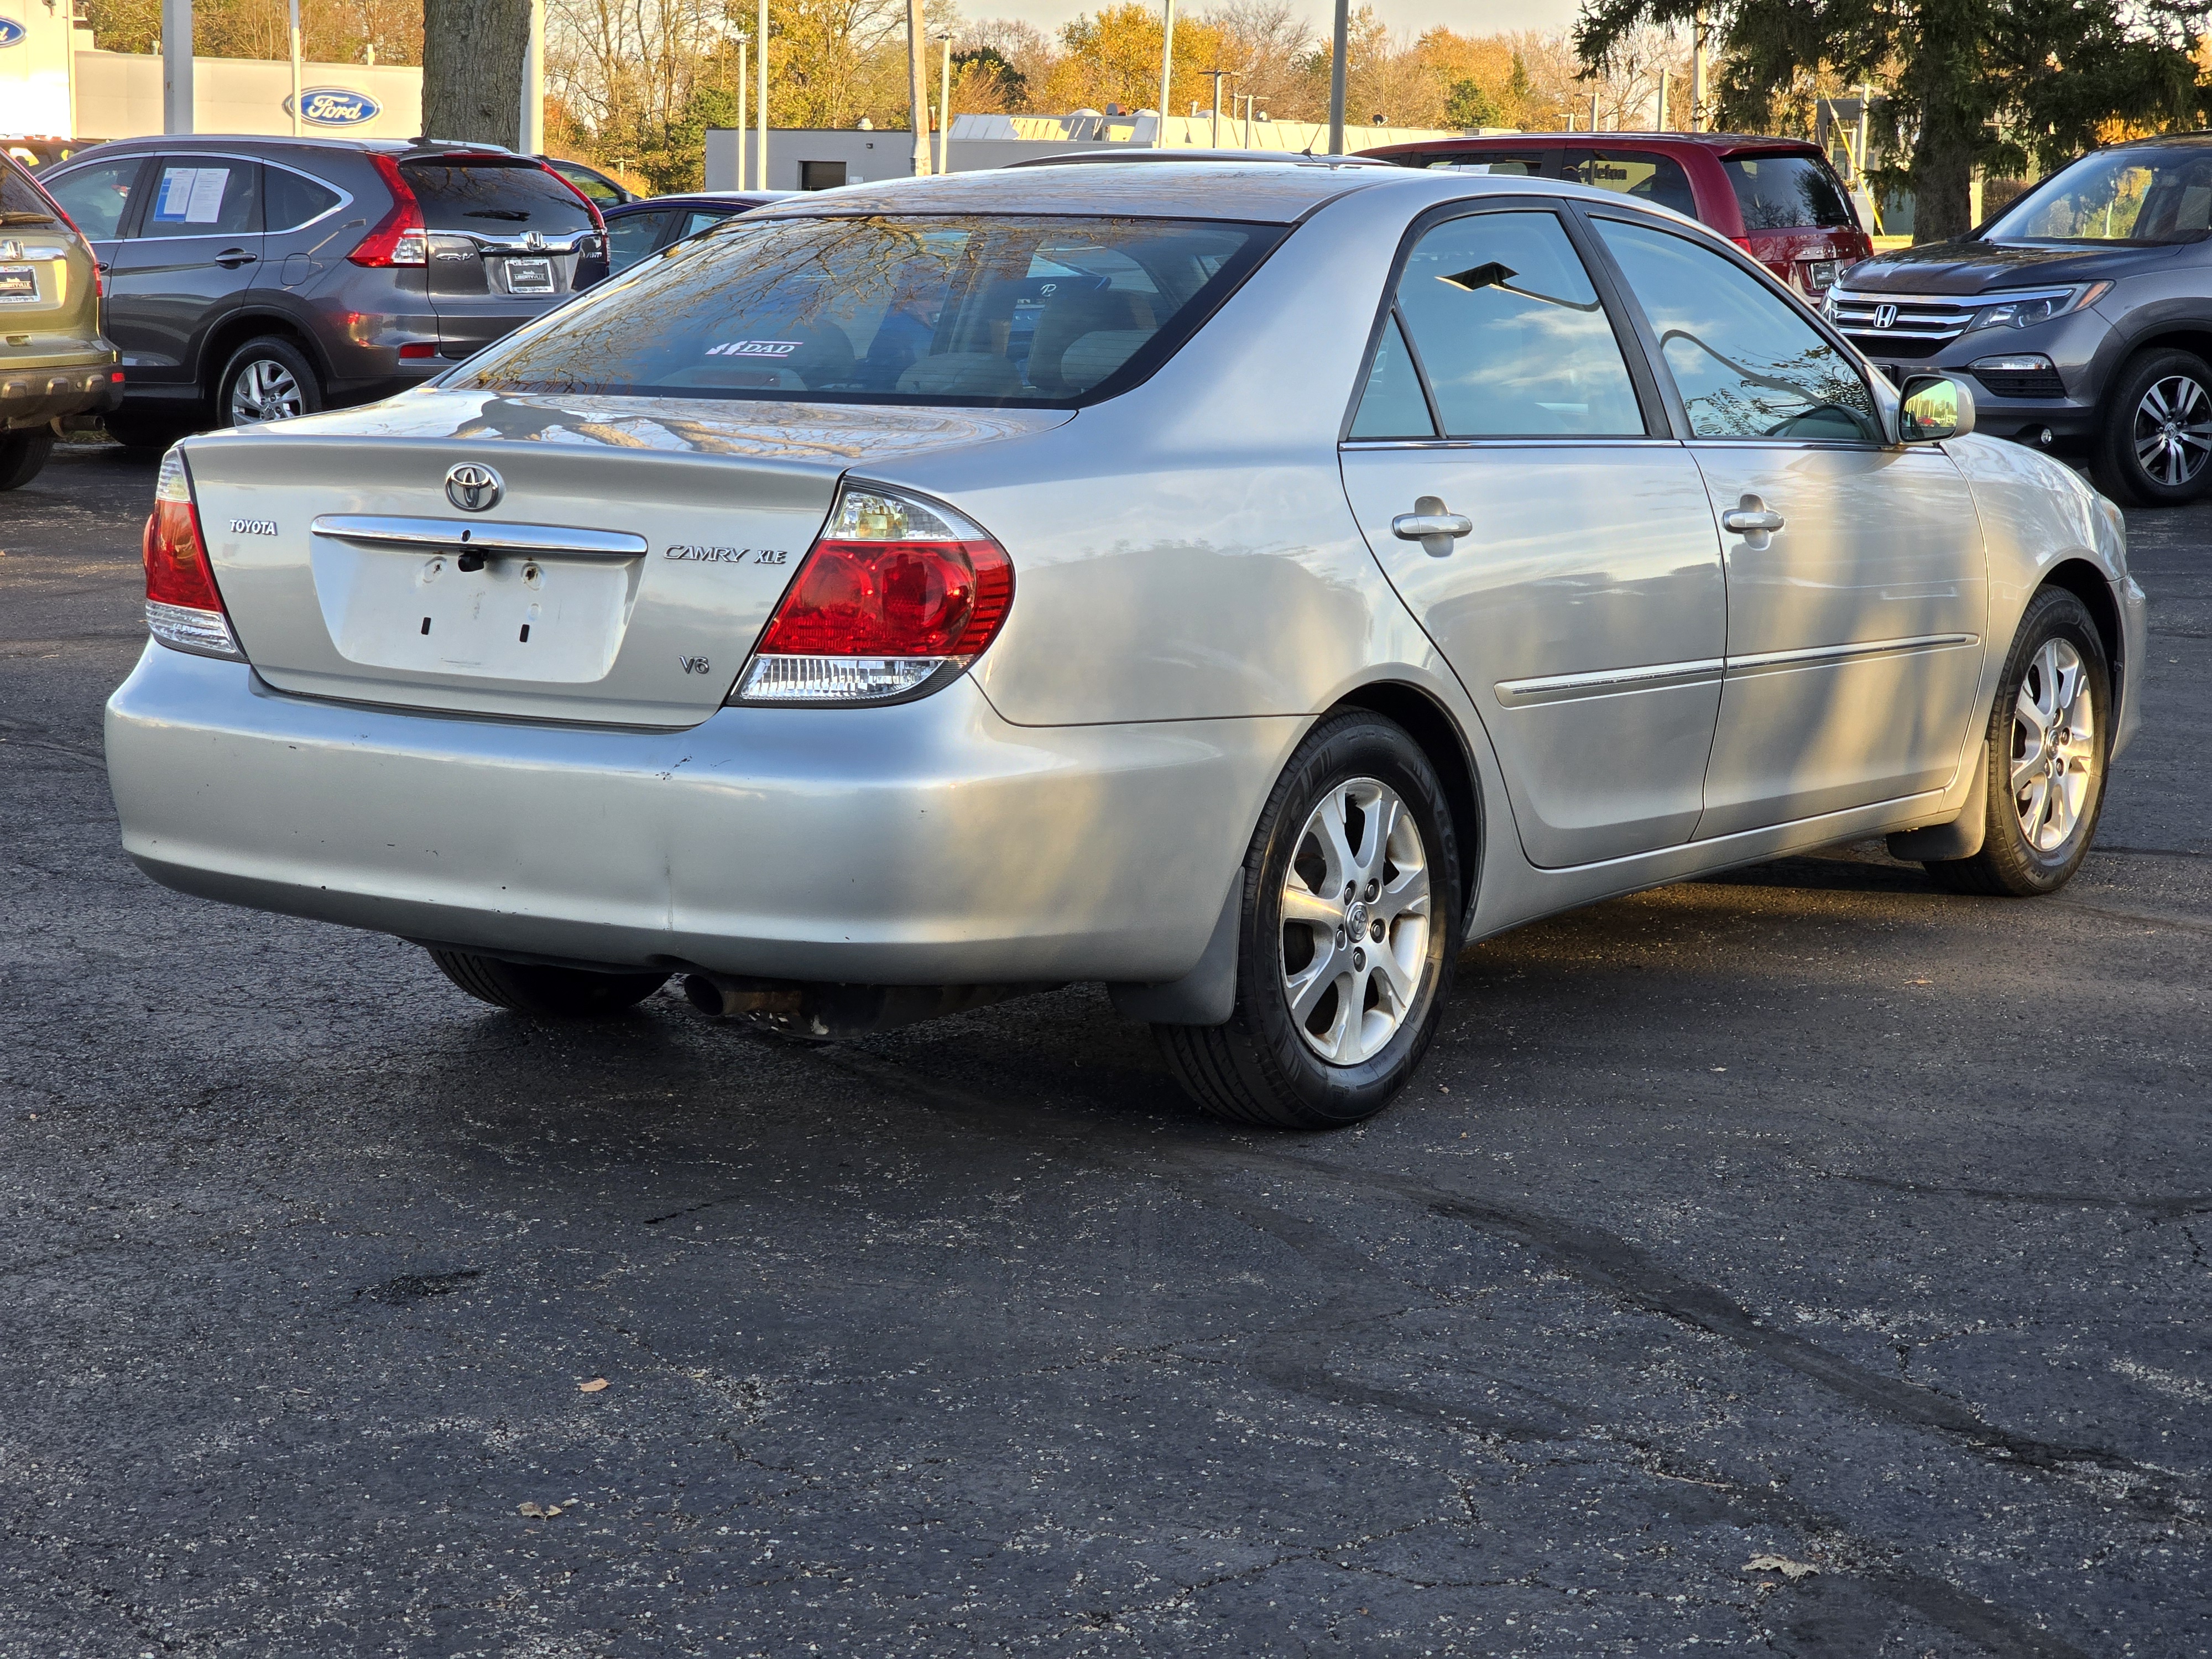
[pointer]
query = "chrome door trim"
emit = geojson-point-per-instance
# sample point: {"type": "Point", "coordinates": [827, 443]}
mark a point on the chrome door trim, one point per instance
{"type": "Point", "coordinates": [1772, 661]}
{"type": "Point", "coordinates": [1609, 441]}
{"type": "Point", "coordinates": [1604, 682]}
{"type": "Point", "coordinates": [377, 530]}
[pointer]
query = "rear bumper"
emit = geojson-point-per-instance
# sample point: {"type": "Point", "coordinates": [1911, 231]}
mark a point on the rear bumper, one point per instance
{"type": "Point", "coordinates": [925, 843]}
{"type": "Point", "coordinates": [32, 397]}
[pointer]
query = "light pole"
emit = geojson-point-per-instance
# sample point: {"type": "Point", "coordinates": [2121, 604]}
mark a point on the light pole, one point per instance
{"type": "Point", "coordinates": [944, 104]}
{"type": "Point", "coordinates": [176, 65]}
{"type": "Point", "coordinates": [760, 40]}
{"type": "Point", "coordinates": [917, 87]}
{"type": "Point", "coordinates": [1217, 76]}
{"type": "Point", "coordinates": [533, 80]}
{"type": "Point", "coordinates": [1167, 72]}
{"type": "Point", "coordinates": [295, 66]}
{"type": "Point", "coordinates": [1249, 100]}
{"type": "Point", "coordinates": [742, 43]}
{"type": "Point", "coordinates": [1340, 43]}
{"type": "Point", "coordinates": [1660, 125]}
{"type": "Point", "coordinates": [1698, 70]}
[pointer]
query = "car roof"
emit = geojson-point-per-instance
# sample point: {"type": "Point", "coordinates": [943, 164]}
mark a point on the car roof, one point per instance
{"type": "Point", "coordinates": [707, 198]}
{"type": "Point", "coordinates": [1719, 143]}
{"type": "Point", "coordinates": [393, 147]}
{"type": "Point", "coordinates": [1131, 153]}
{"type": "Point", "coordinates": [1268, 193]}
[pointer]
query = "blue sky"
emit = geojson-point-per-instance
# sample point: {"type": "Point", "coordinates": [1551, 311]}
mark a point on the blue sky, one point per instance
{"type": "Point", "coordinates": [1404, 16]}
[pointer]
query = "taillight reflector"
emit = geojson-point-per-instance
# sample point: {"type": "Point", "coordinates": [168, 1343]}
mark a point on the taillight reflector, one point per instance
{"type": "Point", "coordinates": [400, 238]}
{"type": "Point", "coordinates": [183, 609]}
{"type": "Point", "coordinates": [897, 597]}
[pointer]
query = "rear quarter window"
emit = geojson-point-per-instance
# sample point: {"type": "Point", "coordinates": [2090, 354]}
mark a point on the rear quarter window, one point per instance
{"type": "Point", "coordinates": [22, 202]}
{"type": "Point", "coordinates": [495, 198]}
{"type": "Point", "coordinates": [1788, 192]}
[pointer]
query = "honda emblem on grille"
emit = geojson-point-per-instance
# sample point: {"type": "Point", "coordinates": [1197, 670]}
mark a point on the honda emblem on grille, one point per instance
{"type": "Point", "coordinates": [1885, 316]}
{"type": "Point", "coordinates": [473, 488]}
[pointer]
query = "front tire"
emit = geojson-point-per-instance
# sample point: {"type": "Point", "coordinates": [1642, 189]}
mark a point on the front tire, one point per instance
{"type": "Point", "coordinates": [1350, 925]}
{"type": "Point", "coordinates": [266, 379]}
{"type": "Point", "coordinates": [2156, 448]}
{"type": "Point", "coordinates": [2049, 737]}
{"type": "Point", "coordinates": [545, 993]}
{"type": "Point", "coordinates": [23, 455]}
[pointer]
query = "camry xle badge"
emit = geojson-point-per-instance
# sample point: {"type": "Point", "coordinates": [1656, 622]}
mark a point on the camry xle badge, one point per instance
{"type": "Point", "coordinates": [1885, 316]}
{"type": "Point", "coordinates": [473, 488]}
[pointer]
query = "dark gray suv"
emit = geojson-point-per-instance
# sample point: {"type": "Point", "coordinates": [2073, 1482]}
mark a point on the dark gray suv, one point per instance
{"type": "Point", "coordinates": [251, 279]}
{"type": "Point", "coordinates": [2083, 313]}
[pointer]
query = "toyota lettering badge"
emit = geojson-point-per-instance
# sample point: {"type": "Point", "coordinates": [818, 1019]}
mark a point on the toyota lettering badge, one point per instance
{"type": "Point", "coordinates": [473, 488]}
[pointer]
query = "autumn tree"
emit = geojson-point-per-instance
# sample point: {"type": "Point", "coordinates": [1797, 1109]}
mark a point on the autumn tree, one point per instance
{"type": "Point", "coordinates": [2000, 83]}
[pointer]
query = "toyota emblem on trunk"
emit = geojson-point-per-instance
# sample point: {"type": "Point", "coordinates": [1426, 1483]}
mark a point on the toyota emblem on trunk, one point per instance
{"type": "Point", "coordinates": [473, 488]}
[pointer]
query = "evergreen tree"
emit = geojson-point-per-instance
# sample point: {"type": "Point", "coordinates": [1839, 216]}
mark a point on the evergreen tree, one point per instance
{"type": "Point", "coordinates": [2003, 84]}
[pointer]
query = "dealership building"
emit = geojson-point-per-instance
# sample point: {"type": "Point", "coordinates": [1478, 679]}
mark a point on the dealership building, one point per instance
{"type": "Point", "coordinates": [54, 84]}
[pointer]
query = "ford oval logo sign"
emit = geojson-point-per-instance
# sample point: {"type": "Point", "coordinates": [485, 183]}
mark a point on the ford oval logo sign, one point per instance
{"type": "Point", "coordinates": [11, 31]}
{"type": "Point", "coordinates": [334, 106]}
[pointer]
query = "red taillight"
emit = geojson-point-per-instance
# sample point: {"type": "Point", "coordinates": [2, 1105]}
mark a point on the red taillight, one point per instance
{"type": "Point", "coordinates": [400, 238]}
{"type": "Point", "coordinates": [182, 606]}
{"type": "Point", "coordinates": [897, 595]}
{"type": "Point", "coordinates": [419, 349]}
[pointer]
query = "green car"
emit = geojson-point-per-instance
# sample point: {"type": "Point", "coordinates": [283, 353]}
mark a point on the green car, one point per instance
{"type": "Point", "coordinates": [54, 361]}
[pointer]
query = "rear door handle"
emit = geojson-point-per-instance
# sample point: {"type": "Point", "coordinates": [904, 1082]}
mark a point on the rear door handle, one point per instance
{"type": "Point", "coordinates": [1754, 518]}
{"type": "Point", "coordinates": [231, 258]}
{"type": "Point", "coordinates": [1430, 525]}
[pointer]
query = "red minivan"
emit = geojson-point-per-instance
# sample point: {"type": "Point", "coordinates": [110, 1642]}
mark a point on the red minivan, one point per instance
{"type": "Point", "coordinates": [1777, 198]}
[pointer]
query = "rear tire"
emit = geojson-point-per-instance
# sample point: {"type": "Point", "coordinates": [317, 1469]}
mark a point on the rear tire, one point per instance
{"type": "Point", "coordinates": [2050, 734]}
{"type": "Point", "coordinates": [1349, 927]}
{"type": "Point", "coordinates": [23, 455]}
{"type": "Point", "coordinates": [266, 379]}
{"type": "Point", "coordinates": [546, 993]}
{"type": "Point", "coordinates": [2156, 447]}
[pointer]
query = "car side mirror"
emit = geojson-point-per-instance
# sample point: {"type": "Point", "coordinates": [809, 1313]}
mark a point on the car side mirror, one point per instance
{"type": "Point", "coordinates": [1934, 407]}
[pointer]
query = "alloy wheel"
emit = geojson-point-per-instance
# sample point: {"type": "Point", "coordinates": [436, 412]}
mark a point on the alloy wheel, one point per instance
{"type": "Point", "coordinates": [2054, 747]}
{"type": "Point", "coordinates": [2172, 431]}
{"type": "Point", "coordinates": [264, 390]}
{"type": "Point", "coordinates": [1356, 918]}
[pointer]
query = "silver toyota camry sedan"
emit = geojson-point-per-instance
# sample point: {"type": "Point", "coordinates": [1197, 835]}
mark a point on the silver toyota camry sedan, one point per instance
{"type": "Point", "coordinates": [1240, 585]}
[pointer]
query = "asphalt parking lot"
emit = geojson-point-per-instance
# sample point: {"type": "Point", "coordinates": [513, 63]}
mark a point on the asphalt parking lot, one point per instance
{"type": "Point", "coordinates": [1802, 1262]}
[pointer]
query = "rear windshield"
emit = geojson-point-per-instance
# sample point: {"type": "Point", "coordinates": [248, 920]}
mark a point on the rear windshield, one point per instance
{"type": "Point", "coordinates": [21, 203]}
{"type": "Point", "coordinates": [949, 310]}
{"type": "Point", "coordinates": [1788, 192]}
{"type": "Point", "coordinates": [496, 198]}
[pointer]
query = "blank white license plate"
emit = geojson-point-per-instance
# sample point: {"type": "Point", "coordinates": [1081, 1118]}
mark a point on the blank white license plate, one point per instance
{"type": "Point", "coordinates": [18, 282]}
{"type": "Point", "coordinates": [553, 621]}
{"type": "Point", "coordinates": [529, 276]}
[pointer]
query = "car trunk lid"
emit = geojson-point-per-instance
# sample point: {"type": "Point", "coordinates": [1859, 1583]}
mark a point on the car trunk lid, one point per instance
{"type": "Point", "coordinates": [607, 560]}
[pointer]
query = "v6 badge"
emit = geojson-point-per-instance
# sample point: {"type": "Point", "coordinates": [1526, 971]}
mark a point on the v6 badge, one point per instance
{"type": "Point", "coordinates": [696, 665]}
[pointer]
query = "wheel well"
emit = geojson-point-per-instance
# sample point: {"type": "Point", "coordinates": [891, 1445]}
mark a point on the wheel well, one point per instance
{"type": "Point", "coordinates": [2193, 338]}
{"type": "Point", "coordinates": [234, 331]}
{"type": "Point", "coordinates": [1427, 724]}
{"type": "Point", "coordinates": [2087, 583]}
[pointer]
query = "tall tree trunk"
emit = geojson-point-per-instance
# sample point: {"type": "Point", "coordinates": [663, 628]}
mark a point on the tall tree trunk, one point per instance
{"type": "Point", "coordinates": [1943, 173]}
{"type": "Point", "coordinates": [472, 60]}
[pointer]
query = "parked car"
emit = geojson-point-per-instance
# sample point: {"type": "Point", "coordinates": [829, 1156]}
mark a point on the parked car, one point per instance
{"type": "Point", "coordinates": [647, 225]}
{"type": "Point", "coordinates": [604, 191]}
{"type": "Point", "coordinates": [1778, 199]}
{"type": "Point", "coordinates": [2083, 313]}
{"type": "Point", "coordinates": [35, 151]}
{"type": "Point", "coordinates": [54, 361]}
{"type": "Point", "coordinates": [1241, 586]}
{"type": "Point", "coordinates": [254, 279]}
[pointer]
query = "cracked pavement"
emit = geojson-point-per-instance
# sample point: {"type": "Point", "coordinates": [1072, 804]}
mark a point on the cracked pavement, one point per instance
{"type": "Point", "coordinates": [1804, 1214]}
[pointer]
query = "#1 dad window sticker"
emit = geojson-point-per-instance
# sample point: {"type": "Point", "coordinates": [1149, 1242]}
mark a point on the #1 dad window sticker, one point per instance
{"type": "Point", "coordinates": [192, 196]}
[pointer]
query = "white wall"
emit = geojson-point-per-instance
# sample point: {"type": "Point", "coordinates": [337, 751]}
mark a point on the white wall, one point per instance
{"type": "Point", "coordinates": [119, 96]}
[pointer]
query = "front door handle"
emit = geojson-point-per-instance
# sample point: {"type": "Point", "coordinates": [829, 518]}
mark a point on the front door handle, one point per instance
{"type": "Point", "coordinates": [1430, 525]}
{"type": "Point", "coordinates": [231, 258]}
{"type": "Point", "coordinates": [1752, 518]}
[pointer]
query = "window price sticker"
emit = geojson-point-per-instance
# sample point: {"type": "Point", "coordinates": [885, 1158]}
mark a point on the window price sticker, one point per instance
{"type": "Point", "coordinates": [192, 196]}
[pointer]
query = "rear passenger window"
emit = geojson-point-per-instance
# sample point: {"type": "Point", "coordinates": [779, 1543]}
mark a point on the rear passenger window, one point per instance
{"type": "Point", "coordinates": [203, 196]}
{"type": "Point", "coordinates": [631, 236]}
{"type": "Point", "coordinates": [1639, 174]}
{"type": "Point", "coordinates": [495, 198]}
{"type": "Point", "coordinates": [1511, 333]}
{"type": "Point", "coordinates": [1748, 363]}
{"type": "Point", "coordinates": [20, 201]}
{"type": "Point", "coordinates": [1393, 406]}
{"type": "Point", "coordinates": [293, 198]}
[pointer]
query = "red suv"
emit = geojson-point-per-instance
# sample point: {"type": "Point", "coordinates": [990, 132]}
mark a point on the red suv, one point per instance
{"type": "Point", "coordinates": [1776, 198]}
